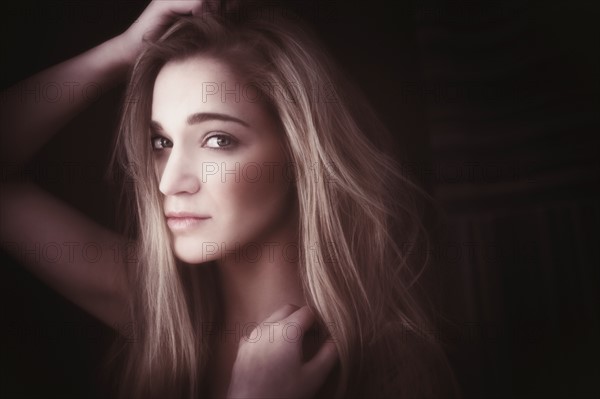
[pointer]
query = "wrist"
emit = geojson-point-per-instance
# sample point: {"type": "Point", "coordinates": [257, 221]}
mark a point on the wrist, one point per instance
{"type": "Point", "coordinates": [125, 55]}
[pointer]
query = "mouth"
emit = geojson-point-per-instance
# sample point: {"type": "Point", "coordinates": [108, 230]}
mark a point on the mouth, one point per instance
{"type": "Point", "coordinates": [184, 222]}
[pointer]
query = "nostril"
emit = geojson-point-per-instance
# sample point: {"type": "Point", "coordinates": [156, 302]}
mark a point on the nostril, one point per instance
{"type": "Point", "coordinates": [179, 174]}
{"type": "Point", "coordinates": [172, 184]}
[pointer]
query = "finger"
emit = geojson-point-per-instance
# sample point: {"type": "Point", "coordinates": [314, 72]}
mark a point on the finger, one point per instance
{"type": "Point", "coordinates": [281, 313]}
{"type": "Point", "coordinates": [303, 316]}
{"type": "Point", "coordinates": [322, 363]}
{"type": "Point", "coordinates": [182, 7]}
{"type": "Point", "coordinates": [197, 8]}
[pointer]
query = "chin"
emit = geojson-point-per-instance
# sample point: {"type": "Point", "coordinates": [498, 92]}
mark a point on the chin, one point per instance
{"type": "Point", "coordinates": [192, 251]}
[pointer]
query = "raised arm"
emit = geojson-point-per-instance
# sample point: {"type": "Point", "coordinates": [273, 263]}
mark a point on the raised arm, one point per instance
{"type": "Point", "coordinates": [82, 260]}
{"type": "Point", "coordinates": [26, 124]}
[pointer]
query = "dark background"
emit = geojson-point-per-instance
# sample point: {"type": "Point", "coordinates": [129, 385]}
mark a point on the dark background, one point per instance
{"type": "Point", "coordinates": [495, 109]}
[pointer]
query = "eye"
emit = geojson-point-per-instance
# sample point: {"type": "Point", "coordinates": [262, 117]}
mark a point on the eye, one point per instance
{"type": "Point", "coordinates": [160, 143]}
{"type": "Point", "coordinates": [220, 141]}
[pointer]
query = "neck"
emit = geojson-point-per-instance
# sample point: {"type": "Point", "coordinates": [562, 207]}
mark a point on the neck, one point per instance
{"type": "Point", "coordinates": [259, 279]}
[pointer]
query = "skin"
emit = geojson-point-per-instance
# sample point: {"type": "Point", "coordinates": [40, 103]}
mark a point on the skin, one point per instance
{"type": "Point", "coordinates": [229, 166]}
{"type": "Point", "coordinates": [253, 289]}
{"type": "Point", "coordinates": [232, 172]}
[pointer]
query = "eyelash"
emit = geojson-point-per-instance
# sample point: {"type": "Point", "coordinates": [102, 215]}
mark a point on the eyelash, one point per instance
{"type": "Point", "coordinates": [232, 141]}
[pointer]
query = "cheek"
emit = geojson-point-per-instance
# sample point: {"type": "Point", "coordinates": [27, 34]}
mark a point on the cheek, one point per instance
{"type": "Point", "coordinates": [255, 189]}
{"type": "Point", "coordinates": [254, 198]}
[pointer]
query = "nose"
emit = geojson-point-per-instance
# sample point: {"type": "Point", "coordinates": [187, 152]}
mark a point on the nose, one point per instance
{"type": "Point", "coordinates": [178, 176]}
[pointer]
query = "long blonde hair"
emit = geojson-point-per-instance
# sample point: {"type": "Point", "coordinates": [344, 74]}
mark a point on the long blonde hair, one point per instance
{"type": "Point", "coordinates": [356, 207]}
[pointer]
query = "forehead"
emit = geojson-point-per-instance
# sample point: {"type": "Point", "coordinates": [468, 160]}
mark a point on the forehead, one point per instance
{"type": "Point", "coordinates": [202, 84]}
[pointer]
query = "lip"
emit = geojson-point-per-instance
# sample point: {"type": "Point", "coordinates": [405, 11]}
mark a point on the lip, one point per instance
{"type": "Point", "coordinates": [181, 221]}
{"type": "Point", "coordinates": [183, 214]}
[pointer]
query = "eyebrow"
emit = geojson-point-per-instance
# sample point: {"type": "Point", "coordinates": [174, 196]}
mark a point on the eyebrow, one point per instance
{"type": "Point", "coordinates": [200, 117]}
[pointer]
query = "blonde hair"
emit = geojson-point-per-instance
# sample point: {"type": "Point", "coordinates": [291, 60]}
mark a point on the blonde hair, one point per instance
{"type": "Point", "coordinates": [361, 211]}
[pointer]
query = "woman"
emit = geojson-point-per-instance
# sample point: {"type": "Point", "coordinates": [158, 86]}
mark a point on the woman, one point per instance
{"type": "Point", "coordinates": [267, 217]}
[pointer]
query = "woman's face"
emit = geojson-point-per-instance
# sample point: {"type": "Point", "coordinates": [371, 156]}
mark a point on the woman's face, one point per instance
{"type": "Point", "coordinates": [221, 164]}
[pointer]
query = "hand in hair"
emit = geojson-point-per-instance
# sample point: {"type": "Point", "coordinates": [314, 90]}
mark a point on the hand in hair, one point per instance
{"type": "Point", "coordinates": [154, 21]}
{"type": "Point", "coordinates": [271, 365]}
